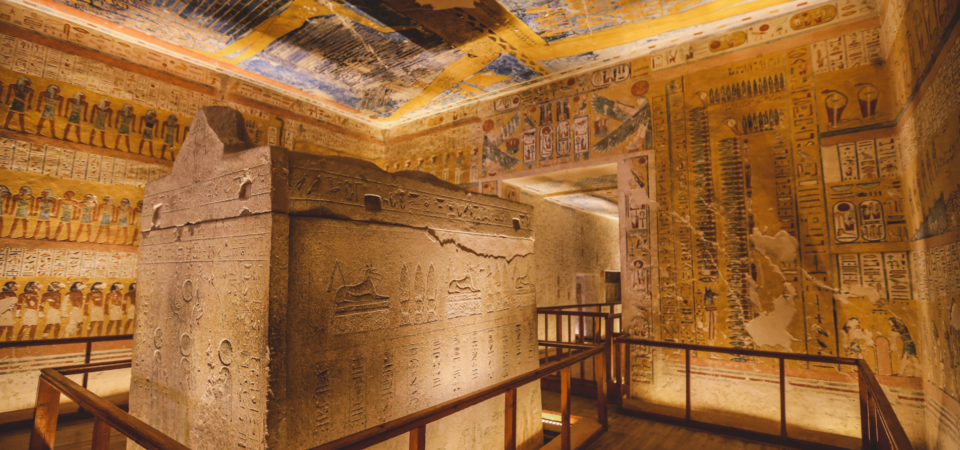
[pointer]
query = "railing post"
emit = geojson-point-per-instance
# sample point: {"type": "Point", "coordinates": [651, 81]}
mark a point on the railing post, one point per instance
{"type": "Point", "coordinates": [510, 418]}
{"type": "Point", "coordinates": [783, 401]}
{"type": "Point", "coordinates": [565, 408]}
{"type": "Point", "coordinates": [618, 372]}
{"type": "Point", "coordinates": [101, 435]}
{"type": "Point", "coordinates": [687, 351]}
{"type": "Point", "coordinates": [627, 370]}
{"type": "Point", "coordinates": [418, 438]}
{"type": "Point", "coordinates": [874, 429]}
{"type": "Point", "coordinates": [599, 363]}
{"type": "Point", "coordinates": [608, 356]}
{"type": "Point", "coordinates": [45, 417]}
{"type": "Point", "coordinates": [86, 360]}
{"type": "Point", "coordinates": [864, 410]}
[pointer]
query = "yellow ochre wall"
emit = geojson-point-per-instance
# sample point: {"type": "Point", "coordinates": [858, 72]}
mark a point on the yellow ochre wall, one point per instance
{"type": "Point", "coordinates": [829, 228]}
{"type": "Point", "coordinates": [88, 190]}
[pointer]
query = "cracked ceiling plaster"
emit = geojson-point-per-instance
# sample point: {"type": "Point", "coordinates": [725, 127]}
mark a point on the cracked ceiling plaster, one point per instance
{"type": "Point", "coordinates": [385, 62]}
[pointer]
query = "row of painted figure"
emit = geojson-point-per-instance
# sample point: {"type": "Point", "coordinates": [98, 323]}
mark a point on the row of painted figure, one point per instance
{"type": "Point", "coordinates": [122, 220]}
{"type": "Point", "coordinates": [76, 110]}
{"type": "Point", "coordinates": [70, 311]}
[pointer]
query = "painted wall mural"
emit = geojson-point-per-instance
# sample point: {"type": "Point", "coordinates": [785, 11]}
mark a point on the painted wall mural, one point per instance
{"type": "Point", "coordinates": [384, 61]}
{"type": "Point", "coordinates": [83, 130]}
{"type": "Point", "coordinates": [766, 202]}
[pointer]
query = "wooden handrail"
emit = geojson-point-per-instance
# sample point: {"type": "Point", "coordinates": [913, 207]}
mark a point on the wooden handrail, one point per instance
{"type": "Point", "coordinates": [577, 313]}
{"type": "Point", "coordinates": [741, 351]}
{"type": "Point", "coordinates": [876, 410]}
{"type": "Point", "coordinates": [565, 345]}
{"type": "Point", "coordinates": [577, 305]}
{"type": "Point", "coordinates": [896, 434]}
{"type": "Point", "coordinates": [96, 367]}
{"type": "Point", "coordinates": [53, 383]}
{"type": "Point", "coordinates": [394, 428]}
{"type": "Point", "coordinates": [76, 340]}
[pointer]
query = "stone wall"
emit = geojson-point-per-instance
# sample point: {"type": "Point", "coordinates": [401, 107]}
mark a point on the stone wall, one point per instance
{"type": "Point", "coordinates": [571, 242]}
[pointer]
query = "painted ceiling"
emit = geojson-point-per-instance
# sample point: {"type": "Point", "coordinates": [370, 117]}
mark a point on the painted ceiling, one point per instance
{"type": "Point", "coordinates": [388, 61]}
{"type": "Point", "coordinates": [588, 189]}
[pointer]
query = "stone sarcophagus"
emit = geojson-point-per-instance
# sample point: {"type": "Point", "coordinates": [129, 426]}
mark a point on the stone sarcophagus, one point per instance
{"type": "Point", "coordinates": [289, 299]}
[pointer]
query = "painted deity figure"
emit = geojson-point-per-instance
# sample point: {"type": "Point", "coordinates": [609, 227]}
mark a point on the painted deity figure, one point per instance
{"type": "Point", "coordinates": [8, 304]}
{"type": "Point", "coordinates": [446, 167]}
{"type": "Point", "coordinates": [854, 333]}
{"type": "Point", "coordinates": [75, 308]}
{"type": "Point", "coordinates": [130, 307]}
{"type": "Point", "coordinates": [52, 309]}
{"type": "Point", "coordinates": [122, 217]}
{"type": "Point", "coordinates": [22, 95]}
{"type": "Point", "coordinates": [909, 365]}
{"type": "Point", "coordinates": [46, 208]}
{"type": "Point", "coordinates": [710, 306]}
{"type": "Point", "coordinates": [148, 126]}
{"type": "Point", "coordinates": [124, 123]}
{"type": "Point", "coordinates": [52, 103]}
{"type": "Point", "coordinates": [474, 167]}
{"type": "Point", "coordinates": [458, 168]}
{"type": "Point", "coordinates": [5, 198]}
{"type": "Point", "coordinates": [87, 208]}
{"type": "Point", "coordinates": [106, 211]}
{"type": "Point", "coordinates": [171, 135]}
{"type": "Point", "coordinates": [23, 205]}
{"type": "Point", "coordinates": [114, 305]}
{"type": "Point", "coordinates": [28, 310]}
{"type": "Point", "coordinates": [94, 308]}
{"type": "Point", "coordinates": [102, 112]}
{"type": "Point", "coordinates": [77, 109]}
{"type": "Point", "coordinates": [137, 213]}
{"type": "Point", "coordinates": [66, 206]}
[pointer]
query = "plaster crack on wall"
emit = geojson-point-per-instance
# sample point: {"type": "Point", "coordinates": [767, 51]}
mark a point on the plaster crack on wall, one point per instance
{"type": "Point", "coordinates": [505, 250]}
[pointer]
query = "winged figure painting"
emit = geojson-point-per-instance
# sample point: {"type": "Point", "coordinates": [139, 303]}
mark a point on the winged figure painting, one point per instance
{"type": "Point", "coordinates": [634, 126]}
{"type": "Point", "coordinates": [493, 139]}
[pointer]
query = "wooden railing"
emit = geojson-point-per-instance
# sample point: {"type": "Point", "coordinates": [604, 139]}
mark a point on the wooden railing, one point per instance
{"type": "Point", "coordinates": [879, 424]}
{"type": "Point", "coordinates": [77, 340]}
{"type": "Point", "coordinates": [54, 382]}
{"type": "Point", "coordinates": [596, 323]}
{"type": "Point", "coordinates": [416, 424]}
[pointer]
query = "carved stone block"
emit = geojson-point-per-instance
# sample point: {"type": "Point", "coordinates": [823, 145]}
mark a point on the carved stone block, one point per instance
{"type": "Point", "coordinates": [291, 299]}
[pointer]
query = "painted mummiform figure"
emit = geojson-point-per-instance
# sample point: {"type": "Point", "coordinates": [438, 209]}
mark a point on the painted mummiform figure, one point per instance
{"type": "Point", "coordinates": [95, 309]}
{"type": "Point", "coordinates": [52, 304]}
{"type": "Point", "coordinates": [8, 305]}
{"type": "Point", "coordinates": [22, 95]}
{"type": "Point", "coordinates": [28, 310]}
{"type": "Point", "coordinates": [76, 309]}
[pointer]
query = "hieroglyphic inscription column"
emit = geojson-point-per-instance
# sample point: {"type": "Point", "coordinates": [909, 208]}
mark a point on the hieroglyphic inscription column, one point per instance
{"type": "Point", "coordinates": [815, 266]}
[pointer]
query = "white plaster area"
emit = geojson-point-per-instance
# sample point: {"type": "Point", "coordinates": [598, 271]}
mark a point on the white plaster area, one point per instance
{"type": "Point", "coordinates": [20, 388]}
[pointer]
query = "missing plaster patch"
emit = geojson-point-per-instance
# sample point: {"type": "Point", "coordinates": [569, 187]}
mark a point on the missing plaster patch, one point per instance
{"type": "Point", "coordinates": [155, 221]}
{"type": "Point", "coordinates": [246, 188]}
{"type": "Point", "coordinates": [770, 328]}
{"type": "Point", "coordinates": [781, 246]}
{"type": "Point", "coordinates": [859, 291]}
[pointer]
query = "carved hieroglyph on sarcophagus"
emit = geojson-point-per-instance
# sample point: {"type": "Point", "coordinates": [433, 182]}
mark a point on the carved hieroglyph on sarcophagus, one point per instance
{"type": "Point", "coordinates": [290, 299]}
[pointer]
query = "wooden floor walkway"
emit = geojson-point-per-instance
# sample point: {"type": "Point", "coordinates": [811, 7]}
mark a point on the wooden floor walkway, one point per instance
{"type": "Point", "coordinates": [631, 433]}
{"type": "Point", "coordinates": [73, 435]}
